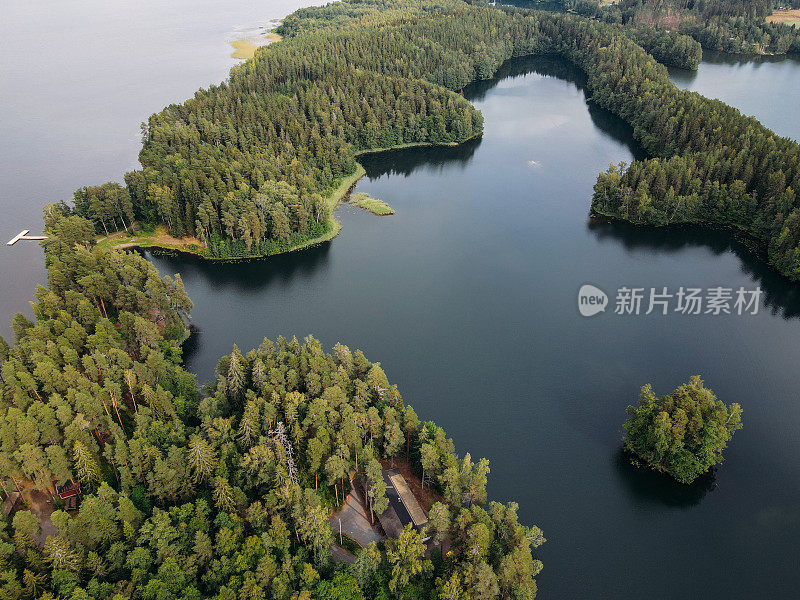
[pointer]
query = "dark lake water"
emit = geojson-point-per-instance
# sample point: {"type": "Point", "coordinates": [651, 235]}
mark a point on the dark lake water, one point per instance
{"type": "Point", "coordinates": [467, 295]}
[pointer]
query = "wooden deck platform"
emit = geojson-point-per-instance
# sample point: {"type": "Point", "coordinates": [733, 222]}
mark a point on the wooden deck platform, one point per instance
{"type": "Point", "coordinates": [23, 235]}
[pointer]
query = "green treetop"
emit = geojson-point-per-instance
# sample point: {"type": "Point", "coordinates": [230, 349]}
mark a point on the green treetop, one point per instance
{"type": "Point", "coordinates": [682, 433]}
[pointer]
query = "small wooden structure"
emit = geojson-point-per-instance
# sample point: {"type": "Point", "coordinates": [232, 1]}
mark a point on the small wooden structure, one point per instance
{"type": "Point", "coordinates": [69, 492]}
{"type": "Point", "coordinates": [408, 499]}
{"type": "Point", "coordinates": [23, 235]}
{"type": "Point", "coordinates": [403, 507]}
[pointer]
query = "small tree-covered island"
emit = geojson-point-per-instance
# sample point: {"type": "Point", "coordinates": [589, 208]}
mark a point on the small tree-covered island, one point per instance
{"type": "Point", "coordinates": [683, 433]}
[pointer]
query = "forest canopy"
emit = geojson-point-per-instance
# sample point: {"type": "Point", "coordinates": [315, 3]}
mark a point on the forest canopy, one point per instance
{"type": "Point", "coordinates": [683, 433]}
{"type": "Point", "coordinates": [732, 26]}
{"type": "Point", "coordinates": [225, 492]}
{"type": "Point", "coordinates": [247, 166]}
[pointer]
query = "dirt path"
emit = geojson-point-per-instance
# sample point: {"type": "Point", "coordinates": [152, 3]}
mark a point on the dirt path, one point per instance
{"type": "Point", "coordinates": [42, 507]}
{"type": "Point", "coordinates": [165, 239]}
{"type": "Point", "coordinates": [159, 237]}
{"type": "Point", "coordinates": [355, 521]}
{"type": "Point", "coordinates": [40, 504]}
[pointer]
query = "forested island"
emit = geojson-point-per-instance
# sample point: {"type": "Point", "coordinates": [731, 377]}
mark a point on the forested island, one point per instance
{"type": "Point", "coordinates": [223, 493]}
{"type": "Point", "coordinates": [683, 433]}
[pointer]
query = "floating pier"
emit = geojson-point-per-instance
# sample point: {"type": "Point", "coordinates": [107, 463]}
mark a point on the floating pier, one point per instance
{"type": "Point", "coordinates": [23, 235]}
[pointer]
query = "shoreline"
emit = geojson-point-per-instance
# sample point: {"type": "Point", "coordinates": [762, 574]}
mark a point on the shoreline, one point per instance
{"type": "Point", "coordinates": [736, 233]}
{"type": "Point", "coordinates": [245, 48]}
{"type": "Point", "coordinates": [332, 202]}
{"type": "Point", "coordinates": [247, 44]}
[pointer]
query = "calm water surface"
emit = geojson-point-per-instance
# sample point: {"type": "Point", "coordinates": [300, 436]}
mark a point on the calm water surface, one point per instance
{"type": "Point", "coordinates": [468, 297]}
{"type": "Point", "coordinates": [76, 80]}
{"type": "Point", "coordinates": [767, 87]}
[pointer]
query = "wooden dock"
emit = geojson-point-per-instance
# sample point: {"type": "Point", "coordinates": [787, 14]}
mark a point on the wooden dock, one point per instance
{"type": "Point", "coordinates": [23, 235]}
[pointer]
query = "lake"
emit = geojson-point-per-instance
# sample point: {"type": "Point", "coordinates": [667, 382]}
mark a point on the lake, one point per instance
{"type": "Point", "coordinates": [766, 87]}
{"type": "Point", "coordinates": [76, 80]}
{"type": "Point", "coordinates": [468, 297]}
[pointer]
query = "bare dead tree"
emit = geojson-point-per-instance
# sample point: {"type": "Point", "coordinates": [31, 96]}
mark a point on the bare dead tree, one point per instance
{"type": "Point", "coordinates": [279, 435]}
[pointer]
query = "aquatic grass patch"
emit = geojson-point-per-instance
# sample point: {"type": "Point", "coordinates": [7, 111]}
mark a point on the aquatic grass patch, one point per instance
{"type": "Point", "coordinates": [373, 205]}
{"type": "Point", "coordinates": [246, 48]}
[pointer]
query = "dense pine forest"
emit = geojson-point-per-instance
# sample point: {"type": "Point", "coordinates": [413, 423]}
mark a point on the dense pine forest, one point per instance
{"type": "Point", "coordinates": [189, 494]}
{"type": "Point", "coordinates": [247, 166]}
{"type": "Point", "coordinates": [733, 26]}
{"type": "Point", "coordinates": [224, 492]}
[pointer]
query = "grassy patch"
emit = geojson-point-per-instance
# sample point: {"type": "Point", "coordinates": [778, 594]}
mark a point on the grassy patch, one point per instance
{"type": "Point", "coordinates": [349, 544]}
{"type": "Point", "coordinates": [116, 239]}
{"type": "Point", "coordinates": [152, 238]}
{"type": "Point", "coordinates": [246, 48]}
{"type": "Point", "coordinates": [787, 17]}
{"type": "Point", "coordinates": [373, 205]}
